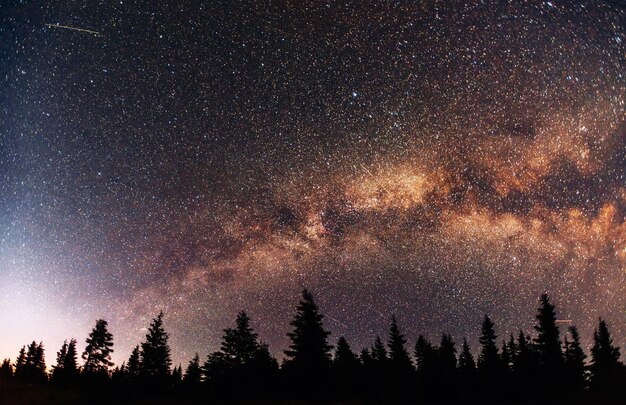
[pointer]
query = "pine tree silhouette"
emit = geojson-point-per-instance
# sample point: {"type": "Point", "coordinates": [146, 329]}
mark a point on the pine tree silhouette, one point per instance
{"type": "Point", "coordinates": [345, 361]}
{"type": "Point", "coordinates": [488, 360]}
{"type": "Point", "coordinates": [177, 375]}
{"type": "Point", "coordinates": [193, 374]}
{"type": "Point", "coordinates": [548, 345]}
{"type": "Point", "coordinates": [97, 354]}
{"type": "Point", "coordinates": [606, 369]}
{"type": "Point", "coordinates": [525, 367]}
{"type": "Point", "coordinates": [467, 373]}
{"type": "Point", "coordinates": [133, 367]}
{"type": "Point", "coordinates": [6, 370]}
{"type": "Point", "coordinates": [447, 376]}
{"type": "Point", "coordinates": [309, 349]}
{"type": "Point", "coordinates": [575, 369]}
{"type": "Point", "coordinates": [346, 369]}
{"type": "Point", "coordinates": [398, 356]}
{"type": "Point", "coordinates": [427, 366]}
{"type": "Point", "coordinates": [58, 370]}
{"type": "Point", "coordinates": [467, 365]}
{"type": "Point", "coordinates": [379, 353]}
{"type": "Point", "coordinates": [489, 364]}
{"type": "Point", "coordinates": [20, 365]}
{"type": "Point", "coordinates": [155, 352]}
{"type": "Point", "coordinates": [33, 369]}
{"type": "Point", "coordinates": [240, 344]}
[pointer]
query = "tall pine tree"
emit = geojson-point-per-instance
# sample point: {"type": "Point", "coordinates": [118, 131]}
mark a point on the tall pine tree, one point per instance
{"type": "Point", "coordinates": [606, 369]}
{"type": "Point", "coordinates": [309, 350]}
{"type": "Point", "coordinates": [193, 374]}
{"type": "Point", "coordinates": [575, 369]}
{"type": "Point", "coordinates": [240, 343]}
{"type": "Point", "coordinates": [97, 354]}
{"type": "Point", "coordinates": [155, 351]}
{"type": "Point", "coordinates": [399, 360]}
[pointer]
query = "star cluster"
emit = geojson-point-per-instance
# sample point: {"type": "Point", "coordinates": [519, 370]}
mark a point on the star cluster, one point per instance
{"type": "Point", "coordinates": [435, 160]}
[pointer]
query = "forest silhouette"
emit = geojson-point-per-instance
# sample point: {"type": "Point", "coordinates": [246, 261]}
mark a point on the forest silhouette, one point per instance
{"type": "Point", "coordinates": [547, 366]}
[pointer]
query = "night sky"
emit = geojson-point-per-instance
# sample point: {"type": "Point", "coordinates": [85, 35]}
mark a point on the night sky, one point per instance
{"type": "Point", "coordinates": [428, 159]}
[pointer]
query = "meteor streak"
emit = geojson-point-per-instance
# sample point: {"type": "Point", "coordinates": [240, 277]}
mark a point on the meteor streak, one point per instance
{"type": "Point", "coordinates": [73, 28]}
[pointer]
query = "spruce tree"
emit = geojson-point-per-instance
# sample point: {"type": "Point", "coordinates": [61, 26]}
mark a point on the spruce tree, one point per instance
{"type": "Point", "coordinates": [427, 365]}
{"type": "Point", "coordinates": [133, 367]}
{"type": "Point", "coordinates": [488, 360]}
{"type": "Point", "coordinates": [575, 369]}
{"type": "Point", "coordinates": [525, 366]}
{"type": "Point", "coordinates": [193, 374]}
{"type": "Point", "coordinates": [606, 368]}
{"type": "Point", "coordinates": [447, 355]}
{"type": "Point", "coordinates": [425, 356]}
{"type": "Point", "coordinates": [346, 367]}
{"type": "Point", "coordinates": [97, 354]}
{"type": "Point", "coordinates": [240, 344]}
{"type": "Point", "coordinates": [398, 356]}
{"type": "Point", "coordinates": [467, 365]}
{"type": "Point", "coordinates": [548, 342]}
{"type": "Point", "coordinates": [70, 363]}
{"type": "Point", "coordinates": [489, 364]}
{"type": "Point", "coordinates": [467, 373]}
{"type": "Point", "coordinates": [309, 351]}
{"type": "Point", "coordinates": [548, 347]}
{"type": "Point", "coordinates": [6, 370]}
{"type": "Point", "coordinates": [345, 361]}
{"type": "Point", "coordinates": [58, 370]}
{"type": "Point", "coordinates": [177, 375]}
{"type": "Point", "coordinates": [155, 351]}
{"type": "Point", "coordinates": [20, 364]}
{"type": "Point", "coordinates": [379, 352]}
{"type": "Point", "coordinates": [447, 383]}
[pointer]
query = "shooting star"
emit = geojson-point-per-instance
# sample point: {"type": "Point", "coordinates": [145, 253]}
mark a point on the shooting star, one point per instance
{"type": "Point", "coordinates": [73, 29]}
{"type": "Point", "coordinates": [563, 321]}
{"type": "Point", "coordinates": [338, 322]}
{"type": "Point", "coordinates": [374, 177]}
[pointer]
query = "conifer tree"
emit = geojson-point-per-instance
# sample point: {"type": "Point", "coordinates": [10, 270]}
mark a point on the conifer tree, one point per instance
{"type": "Point", "coordinates": [575, 369]}
{"type": "Point", "coordinates": [309, 350]}
{"type": "Point", "coordinates": [488, 360]}
{"type": "Point", "coordinates": [345, 367]}
{"type": "Point", "coordinates": [6, 370]}
{"type": "Point", "coordinates": [345, 361]}
{"type": "Point", "coordinates": [193, 374]}
{"type": "Point", "coordinates": [240, 344]}
{"type": "Point", "coordinates": [426, 360]}
{"type": "Point", "coordinates": [605, 365]}
{"type": "Point", "coordinates": [467, 373]}
{"type": "Point", "coordinates": [155, 351]}
{"type": "Point", "coordinates": [133, 367]}
{"type": "Point", "coordinates": [447, 375]}
{"type": "Point", "coordinates": [467, 365]}
{"type": "Point", "coordinates": [379, 353]}
{"type": "Point", "coordinates": [70, 363]}
{"type": "Point", "coordinates": [398, 356]}
{"type": "Point", "coordinates": [97, 354]}
{"type": "Point", "coordinates": [447, 355]}
{"type": "Point", "coordinates": [489, 363]}
{"type": "Point", "coordinates": [548, 342]}
{"type": "Point", "coordinates": [425, 356]}
{"type": "Point", "coordinates": [35, 364]}
{"type": "Point", "coordinates": [177, 375]}
{"type": "Point", "coordinates": [58, 370]}
{"type": "Point", "coordinates": [20, 365]}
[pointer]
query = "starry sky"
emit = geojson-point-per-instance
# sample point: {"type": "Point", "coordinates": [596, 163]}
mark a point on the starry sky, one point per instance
{"type": "Point", "coordinates": [436, 160]}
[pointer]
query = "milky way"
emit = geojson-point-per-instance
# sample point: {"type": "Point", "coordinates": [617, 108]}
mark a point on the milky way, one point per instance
{"type": "Point", "coordinates": [429, 159]}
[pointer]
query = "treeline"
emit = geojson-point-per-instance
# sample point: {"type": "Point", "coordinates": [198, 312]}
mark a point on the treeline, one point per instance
{"type": "Point", "coordinates": [544, 367]}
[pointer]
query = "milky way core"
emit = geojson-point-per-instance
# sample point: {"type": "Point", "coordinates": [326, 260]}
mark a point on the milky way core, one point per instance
{"type": "Point", "coordinates": [430, 159]}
